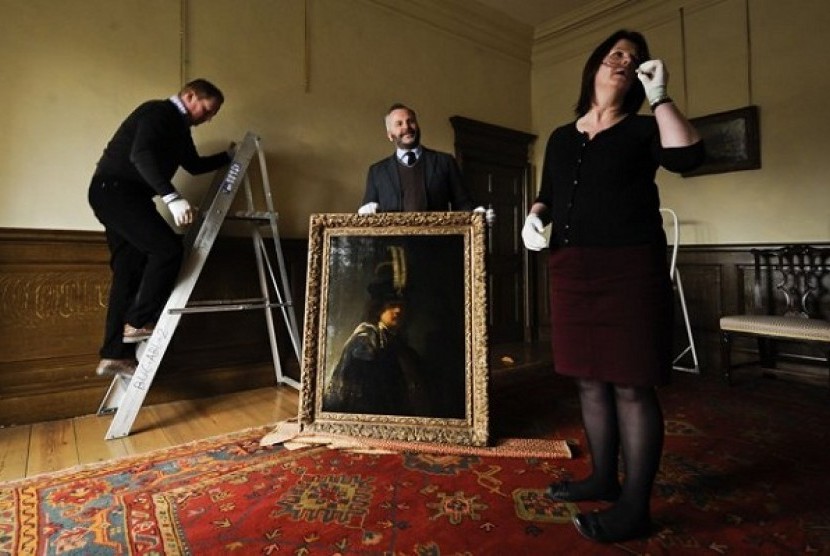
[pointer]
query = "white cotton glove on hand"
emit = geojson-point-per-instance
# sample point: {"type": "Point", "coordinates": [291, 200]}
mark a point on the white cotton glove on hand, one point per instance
{"type": "Point", "coordinates": [532, 235]}
{"type": "Point", "coordinates": [654, 76]}
{"type": "Point", "coordinates": [182, 211]}
{"type": "Point", "coordinates": [368, 208]}
{"type": "Point", "coordinates": [489, 214]}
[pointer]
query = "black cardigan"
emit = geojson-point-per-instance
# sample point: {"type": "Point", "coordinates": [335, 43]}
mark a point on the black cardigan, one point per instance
{"type": "Point", "coordinates": [601, 192]}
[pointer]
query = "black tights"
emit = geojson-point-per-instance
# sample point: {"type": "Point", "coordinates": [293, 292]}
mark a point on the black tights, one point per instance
{"type": "Point", "coordinates": [628, 418]}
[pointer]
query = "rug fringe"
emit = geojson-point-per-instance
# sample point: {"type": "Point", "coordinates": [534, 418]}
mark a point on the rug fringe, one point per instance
{"type": "Point", "coordinates": [291, 436]}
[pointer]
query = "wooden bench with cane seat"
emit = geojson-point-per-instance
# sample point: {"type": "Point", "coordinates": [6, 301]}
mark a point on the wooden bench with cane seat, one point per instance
{"type": "Point", "coordinates": [791, 288]}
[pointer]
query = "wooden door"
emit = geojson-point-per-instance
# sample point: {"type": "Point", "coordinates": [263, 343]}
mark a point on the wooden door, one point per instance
{"type": "Point", "coordinates": [494, 163]}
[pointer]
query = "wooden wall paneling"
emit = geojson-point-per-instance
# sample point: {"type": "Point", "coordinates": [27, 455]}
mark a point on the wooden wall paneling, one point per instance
{"type": "Point", "coordinates": [54, 287]}
{"type": "Point", "coordinates": [53, 291]}
{"type": "Point", "coordinates": [719, 280]}
{"type": "Point", "coordinates": [702, 286]}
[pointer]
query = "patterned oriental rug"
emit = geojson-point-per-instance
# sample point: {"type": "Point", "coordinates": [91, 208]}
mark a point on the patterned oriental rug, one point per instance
{"type": "Point", "coordinates": [231, 495]}
{"type": "Point", "coordinates": [744, 472]}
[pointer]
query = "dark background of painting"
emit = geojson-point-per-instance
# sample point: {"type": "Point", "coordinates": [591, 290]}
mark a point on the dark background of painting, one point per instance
{"type": "Point", "coordinates": [434, 324]}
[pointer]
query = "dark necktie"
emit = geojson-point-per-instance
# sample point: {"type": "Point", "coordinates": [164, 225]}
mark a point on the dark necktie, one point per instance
{"type": "Point", "coordinates": [409, 158]}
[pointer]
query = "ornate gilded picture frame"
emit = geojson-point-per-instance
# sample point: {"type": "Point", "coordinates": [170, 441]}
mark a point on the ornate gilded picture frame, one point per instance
{"type": "Point", "coordinates": [395, 337]}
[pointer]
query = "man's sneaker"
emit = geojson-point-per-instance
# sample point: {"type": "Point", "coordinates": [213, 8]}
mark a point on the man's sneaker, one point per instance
{"type": "Point", "coordinates": [112, 367]}
{"type": "Point", "coordinates": [133, 335]}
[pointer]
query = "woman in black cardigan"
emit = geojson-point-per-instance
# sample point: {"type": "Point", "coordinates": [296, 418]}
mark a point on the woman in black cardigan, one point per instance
{"type": "Point", "coordinates": [611, 296]}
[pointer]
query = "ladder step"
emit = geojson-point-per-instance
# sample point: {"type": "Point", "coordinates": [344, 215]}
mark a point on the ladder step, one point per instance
{"type": "Point", "coordinates": [226, 306]}
{"type": "Point", "coordinates": [251, 215]}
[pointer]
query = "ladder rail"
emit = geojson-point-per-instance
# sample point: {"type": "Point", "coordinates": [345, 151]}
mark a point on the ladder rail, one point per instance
{"type": "Point", "coordinates": [674, 275]}
{"type": "Point", "coordinates": [284, 301]}
{"type": "Point", "coordinates": [284, 297]}
{"type": "Point", "coordinates": [695, 368]}
{"type": "Point", "coordinates": [262, 262]}
{"type": "Point", "coordinates": [289, 316]}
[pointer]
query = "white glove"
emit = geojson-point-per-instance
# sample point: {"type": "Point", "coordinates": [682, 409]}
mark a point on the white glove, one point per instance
{"type": "Point", "coordinates": [368, 208]}
{"type": "Point", "coordinates": [654, 76]}
{"type": "Point", "coordinates": [532, 235]}
{"type": "Point", "coordinates": [489, 214]}
{"type": "Point", "coordinates": [181, 210]}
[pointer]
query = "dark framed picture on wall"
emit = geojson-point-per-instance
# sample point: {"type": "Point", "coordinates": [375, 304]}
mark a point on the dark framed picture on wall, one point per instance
{"type": "Point", "coordinates": [395, 337]}
{"type": "Point", "coordinates": [731, 139]}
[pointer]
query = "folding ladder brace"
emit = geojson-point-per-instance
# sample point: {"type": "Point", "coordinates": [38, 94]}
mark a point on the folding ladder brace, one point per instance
{"type": "Point", "coordinates": [126, 393]}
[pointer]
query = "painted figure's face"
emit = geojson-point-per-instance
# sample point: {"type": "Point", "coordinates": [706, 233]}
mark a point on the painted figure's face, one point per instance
{"type": "Point", "coordinates": [392, 315]}
{"type": "Point", "coordinates": [402, 129]}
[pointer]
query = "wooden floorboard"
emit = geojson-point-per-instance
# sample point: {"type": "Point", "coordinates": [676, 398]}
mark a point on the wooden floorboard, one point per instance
{"type": "Point", "coordinates": [89, 430]}
{"type": "Point", "coordinates": [28, 450]}
{"type": "Point", "coordinates": [14, 452]}
{"type": "Point", "coordinates": [147, 433]}
{"type": "Point", "coordinates": [52, 447]}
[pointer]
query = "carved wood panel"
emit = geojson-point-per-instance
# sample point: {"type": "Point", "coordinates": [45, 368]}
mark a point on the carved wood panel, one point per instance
{"type": "Point", "coordinates": [53, 290]}
{"type": "Point", "coordinates": [54, 287]}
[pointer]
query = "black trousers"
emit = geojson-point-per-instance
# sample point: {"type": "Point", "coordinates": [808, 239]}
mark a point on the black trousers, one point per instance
{"type": "Point", "coordinates": [145, 258]}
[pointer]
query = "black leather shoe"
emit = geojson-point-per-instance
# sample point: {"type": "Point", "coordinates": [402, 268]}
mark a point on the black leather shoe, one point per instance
{"type": "Point", "coordinates": [562, 492]}
{"type": "Point", "coordinates": [590, 527]}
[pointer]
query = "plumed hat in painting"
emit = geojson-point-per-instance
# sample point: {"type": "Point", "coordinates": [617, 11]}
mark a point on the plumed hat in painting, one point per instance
{"type": "Point", "coordinates": [389, 282]}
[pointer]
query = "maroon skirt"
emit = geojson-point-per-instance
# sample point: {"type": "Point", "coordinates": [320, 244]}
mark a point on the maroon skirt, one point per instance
{"type": "Point", "coordinates": [612, 314]}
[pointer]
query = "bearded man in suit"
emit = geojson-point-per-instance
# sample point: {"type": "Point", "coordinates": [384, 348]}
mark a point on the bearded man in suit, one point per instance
{"type": "Point", "coordinates": [414, 178]}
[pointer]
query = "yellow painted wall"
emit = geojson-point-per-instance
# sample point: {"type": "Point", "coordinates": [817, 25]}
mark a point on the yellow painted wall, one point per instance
{"type": "Point", "coordinates": [312, 77]}
{"type": "Point", "coordinates": [736, 52]}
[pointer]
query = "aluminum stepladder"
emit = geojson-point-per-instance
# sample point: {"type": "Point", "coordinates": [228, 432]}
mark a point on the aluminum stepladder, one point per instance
{"type": "Point", "coordinates": [674, 274]}
{"type": "Point", "coordinates": [126, 394]}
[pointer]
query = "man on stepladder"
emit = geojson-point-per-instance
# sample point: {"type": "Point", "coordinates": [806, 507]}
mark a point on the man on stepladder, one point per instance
{"type": "Point", "coordinates": [146, 254]}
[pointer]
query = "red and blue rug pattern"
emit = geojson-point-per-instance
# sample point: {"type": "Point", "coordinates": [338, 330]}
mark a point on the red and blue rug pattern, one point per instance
{"type": "Point", "coordinates": [232, 496]}
{"type": "Point", "coordinates": [744, 471]}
